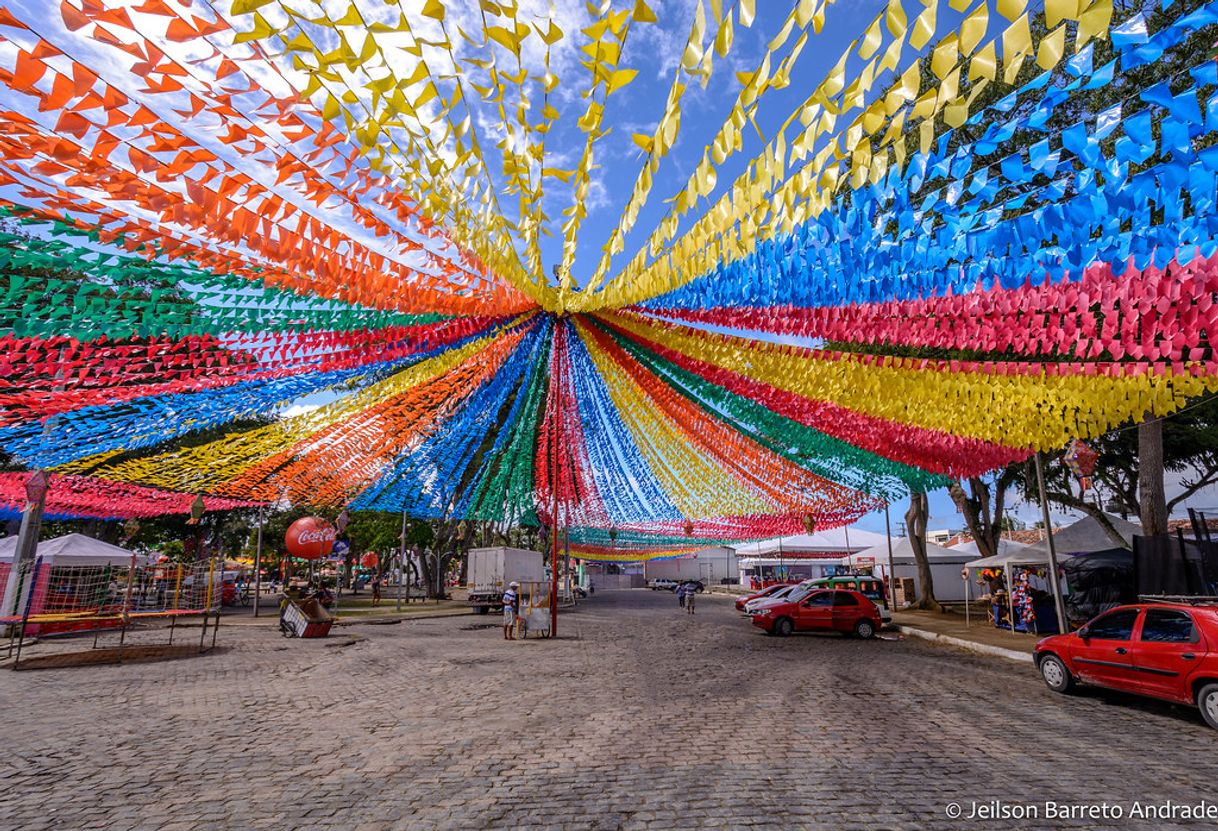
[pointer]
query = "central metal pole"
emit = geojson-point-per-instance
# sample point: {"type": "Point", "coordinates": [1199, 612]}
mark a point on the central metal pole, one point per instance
{"type": "Point", "coordinates": [554, 486]}
{"type": "Point", "coordinates": [1059, 604]}
{"type": "Point", "coordinates": [258, 563]}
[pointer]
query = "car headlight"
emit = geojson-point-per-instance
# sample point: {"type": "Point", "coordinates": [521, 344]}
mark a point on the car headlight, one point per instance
{"type": "Point", "coordinates": [763, 612]}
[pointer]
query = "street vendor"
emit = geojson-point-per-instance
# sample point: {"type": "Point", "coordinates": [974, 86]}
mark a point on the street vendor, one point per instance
{"type": "Point", "coordinates": [511, 605]}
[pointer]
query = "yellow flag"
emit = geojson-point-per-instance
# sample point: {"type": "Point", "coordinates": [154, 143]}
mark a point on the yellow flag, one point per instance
{"type": "Point", "coordinates": [434, 9]}
{"type": "Point", "coordinates": [972, 30]}
{"type": "Point", "coordinates": [747, 11]}
{"type": "Point", "coordinates": [984, 64]}
{"type": "Point", "coordinates": [1016, 44]}
{"type": "Point", "coordinates": [1011, 9]}
{"type": "Point", "coordinates": [1058, 10]}
{"type": "Point", "coordinates": [923, 28]}
{"type": "Point", "coordinates": [1051, 49]}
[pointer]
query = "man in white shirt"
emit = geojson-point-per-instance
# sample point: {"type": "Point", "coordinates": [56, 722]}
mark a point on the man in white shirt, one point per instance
{"type": "Point", "coordinates": [511, 604]}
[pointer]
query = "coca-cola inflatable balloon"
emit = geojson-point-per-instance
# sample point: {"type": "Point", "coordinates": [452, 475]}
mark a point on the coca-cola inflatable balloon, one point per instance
{"type": "Point", "coordinates": [310, 538]}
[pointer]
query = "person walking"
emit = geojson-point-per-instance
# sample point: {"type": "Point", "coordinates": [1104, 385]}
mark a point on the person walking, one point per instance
{"type": "Point", "coordinates": [511, 603]}
{"type": "Point", "coordinates": [691, 591]}
{"type": "Point", "coordinates": [376, 590]}
{"type": "Point", "coordinates": [680, 593]}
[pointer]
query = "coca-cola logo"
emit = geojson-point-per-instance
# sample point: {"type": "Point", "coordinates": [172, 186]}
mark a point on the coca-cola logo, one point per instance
{"type": "Point", "coordinates": [309, 535]}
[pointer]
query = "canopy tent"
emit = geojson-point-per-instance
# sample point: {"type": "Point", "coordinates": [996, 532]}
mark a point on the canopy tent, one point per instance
{"type": "Point", "coordinates": [902, 554]}
{"type": "Point", "coordinates": [74, 550]}
{"type": "Point", "coordinates": [833, 542]}
{"type": "Point", "coordinates": [1005, 546]}
{"type": "Point", "coordinates": [1083, 536]}
{"type": "Point", "coordinates": [399, 266]}
{"type": "Point", "coordinates": [1086, 536]}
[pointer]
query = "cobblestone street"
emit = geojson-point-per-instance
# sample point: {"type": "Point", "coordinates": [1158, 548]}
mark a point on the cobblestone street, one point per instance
{"type": "Point", "coordinates": [639, 717]}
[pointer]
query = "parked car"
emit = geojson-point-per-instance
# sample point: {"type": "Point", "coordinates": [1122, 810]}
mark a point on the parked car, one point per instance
{"type": "Point", "coordinates": [779, 596]}
{"type": "Point", "coordinates": [824, 610]}
{"type": "Point", "coordinates": [764, 593]}
{"type": "Point", "coordinates": [658, 583]}
{"type": "Point", "coordinates": [1161, 650]}
{"type": "Point", "coordinates": [698, 585]}
{"type": "Point", "coordinates": [872, 587]}
{"type": "Point", "coordinates": [797, 593]}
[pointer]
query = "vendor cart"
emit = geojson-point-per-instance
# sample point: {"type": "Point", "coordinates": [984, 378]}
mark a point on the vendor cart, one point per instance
{"type": "Point", "coordinates": [305, 619]}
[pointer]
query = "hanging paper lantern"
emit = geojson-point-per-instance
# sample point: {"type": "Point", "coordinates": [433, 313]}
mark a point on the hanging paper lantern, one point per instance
{"type": "Point", "coordinates": [689, 528]}
{"type": "Point", "coordinates": [613, 534]}
{"type": "Point", "coordinates": [1081, 459]}
{"type": "Point", "coordinates": [809, 523]}
{"type": "Point", "coordinates": [310, 538]}
{"type": "Point", "coordinates": [369, 560]}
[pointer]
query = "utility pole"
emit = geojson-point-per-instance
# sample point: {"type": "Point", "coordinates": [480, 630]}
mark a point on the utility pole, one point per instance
{"type": "Point", "coordinates": [892, 577]}
{"type": "Point", "coordinates": [1059, 604]}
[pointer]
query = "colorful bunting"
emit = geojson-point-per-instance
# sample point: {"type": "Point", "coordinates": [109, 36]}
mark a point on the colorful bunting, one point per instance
{"type": "Point", "coordinates": [267, 250]}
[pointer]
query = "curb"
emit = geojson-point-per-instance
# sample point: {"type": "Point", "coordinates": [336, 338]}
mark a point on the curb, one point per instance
{"type": "Point", "coordinates": [971, 646]}
{"type": "Point", "coordinates": [355, 621]}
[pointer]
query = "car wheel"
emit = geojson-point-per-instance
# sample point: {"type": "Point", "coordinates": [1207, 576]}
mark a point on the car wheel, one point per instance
{"type": "Point", "coordinates": [1207, 702]}
{"type": "Point", "coordinates": [1057, 676]}
{"type": "Point", "coordinates": [784, 626]}
{"type": "Point", "coordinates": [865, 629]}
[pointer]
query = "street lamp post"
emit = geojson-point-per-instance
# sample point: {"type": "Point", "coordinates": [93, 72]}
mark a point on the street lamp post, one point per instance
{"type": "Point", "coordinates": [27, 539]}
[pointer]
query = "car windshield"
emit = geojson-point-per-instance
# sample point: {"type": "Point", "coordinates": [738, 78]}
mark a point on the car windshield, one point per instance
{"type": "Point", "coordinates": [801, 591]}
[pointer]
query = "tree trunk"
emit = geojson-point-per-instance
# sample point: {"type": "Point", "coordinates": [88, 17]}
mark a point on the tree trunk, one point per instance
{"type": "Point", "coordinates": [1152, 501]}
{"type": "Point", "coordinates": [915, 528]}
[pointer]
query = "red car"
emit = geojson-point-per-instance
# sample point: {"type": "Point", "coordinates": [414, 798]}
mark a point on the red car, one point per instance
{"type": "Point", "coordinates": [849, 612]}
{"type": "Point", "coordinates": [1162, 650]}
{"type": "Point", "coordinates": [766, 592]}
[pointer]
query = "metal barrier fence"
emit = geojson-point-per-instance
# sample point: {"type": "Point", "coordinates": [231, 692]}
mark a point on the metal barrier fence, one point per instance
{"type": "Point", "coordinates": [55, 599]}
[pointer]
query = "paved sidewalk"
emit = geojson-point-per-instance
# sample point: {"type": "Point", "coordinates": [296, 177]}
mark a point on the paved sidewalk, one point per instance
{"type": "Point", "coordinates": [638, 717]}
{"type": "Point", "coordinates": [980, 636]}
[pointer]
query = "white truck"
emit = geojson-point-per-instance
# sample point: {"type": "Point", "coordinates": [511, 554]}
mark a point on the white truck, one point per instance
{"type": "Point", "coordinates": [674, 570]}
{"type": "Point", "coordinates": [490, 570]}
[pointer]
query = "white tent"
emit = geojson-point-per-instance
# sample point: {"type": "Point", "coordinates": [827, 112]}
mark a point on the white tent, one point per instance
{"type": "Point", "coordinates": [1082, 537]}
{"type": "Point", "coordinates": [902, 554]}
{"type": "Point", "coordinates": [1005, 546]}
{"type": "Point", "coordinates": [833, 541]}
{"type": "Point", "coordinates": [945, 564]}
{"type": "Point", "coordinates": [1087, 536]}
{"type": "Point", "coordinates": [74, 550]}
